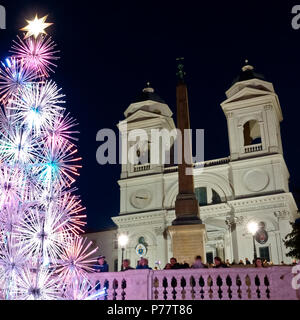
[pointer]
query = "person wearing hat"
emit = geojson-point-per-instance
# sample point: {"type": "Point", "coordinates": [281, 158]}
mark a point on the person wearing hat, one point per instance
{"type": "Point", "coordinates": [102, 265]}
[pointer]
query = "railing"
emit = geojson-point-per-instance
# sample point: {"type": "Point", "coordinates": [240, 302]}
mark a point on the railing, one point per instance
{"type": "Point", "coordinates": [207, 163]}
{"type": "Point", "coordinates": [273, 283]}
{"type": "Point", "coordinates": [171, 169]}
{"type": "Point", "coordinates": [141, 167]}
{"type": "Point", "coordinates": [253, 148]}
{"type": "Point", "coordinates": [214, 162]}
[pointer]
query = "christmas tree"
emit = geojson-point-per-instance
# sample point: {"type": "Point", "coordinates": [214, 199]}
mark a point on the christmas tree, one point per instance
{"type": "Point", "coordinates": [292, 240]}
{"type": "Point", "coordinates": [42, 255]}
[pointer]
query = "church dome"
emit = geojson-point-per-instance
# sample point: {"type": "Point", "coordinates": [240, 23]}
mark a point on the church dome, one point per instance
{"type": "Point", "coordinates": [148, 101]}
{"type": "Point", "coordinates": [148, 94]}
{"type": "Point", "coordinates": [248, 73]}
{"type": "Point", "coordinates": [248, 78]}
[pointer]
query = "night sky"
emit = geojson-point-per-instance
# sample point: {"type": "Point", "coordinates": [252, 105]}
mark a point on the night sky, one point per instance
{"type": "Point", "coordinates": [109, 50]}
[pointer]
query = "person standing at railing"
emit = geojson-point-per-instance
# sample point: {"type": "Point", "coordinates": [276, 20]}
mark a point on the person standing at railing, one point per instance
{"type": "Point", "coordinates": [219, 263]}
{"type": "Point", "coordinates": [143, 264]}
{"type": "Point", "coordinates": [198, 264]}
{"type": "Point", "coordinates": [184, 265]}
{"type": "Point", "coordinates": [102, 265]}
{"type": "Point", "coordinates": [126, 265]}
{"type": "Point", "coordinates": [247, 261]}
{"type": "Point", "coordinates": [174, 263]}
{"type": "Point", "coordinates": [258, 263]}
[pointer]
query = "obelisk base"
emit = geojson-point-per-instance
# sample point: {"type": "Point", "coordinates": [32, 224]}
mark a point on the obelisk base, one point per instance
{"type": "Point", "coordinates": [187, 209]}
{"type": "Point", "coordinates": [188, 241]}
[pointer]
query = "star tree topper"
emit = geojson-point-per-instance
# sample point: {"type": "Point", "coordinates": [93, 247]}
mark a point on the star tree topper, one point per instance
{"type": "Point", "coordinates": [36, 26]}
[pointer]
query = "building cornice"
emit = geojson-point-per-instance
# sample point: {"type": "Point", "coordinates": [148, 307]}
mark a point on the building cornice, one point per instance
{"type": "Point", "coordinates": [140, 219]}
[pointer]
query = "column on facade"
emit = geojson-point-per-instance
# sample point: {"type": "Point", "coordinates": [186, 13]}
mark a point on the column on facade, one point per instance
{"type": "Point", "coordinates": [228, 246]}
{"type": "Point", "coordinates": [236, 231]}
{"type": "Point", "coordinates": [284, 228]}
{"type": "Point", "coordinates": [220, 249]}
{"type": "Point", "coordinates": [233, 237]}
{"type": "Point", "coordinates": [231, 123]}
{"type": "Point", "coordinates": [124, 153]}
{"type": "Point", "coordinates": [162, 246]}
{"type": "Point", "coordinates": [279, 253]}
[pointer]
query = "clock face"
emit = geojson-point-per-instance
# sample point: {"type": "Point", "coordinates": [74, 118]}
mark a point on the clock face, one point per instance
{"type": "Point", "coordinates": [141, 198]}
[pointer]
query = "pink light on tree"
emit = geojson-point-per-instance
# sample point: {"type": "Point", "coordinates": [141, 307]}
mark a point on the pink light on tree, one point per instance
{"type": "Point", "coordinates": [13, 76]}
{"type": "Point", "coordinates": [42, 255]}
{"type": "Point", "coordinates": [38, 54]}
{"type": "Point", "coordinates": [76, 260]}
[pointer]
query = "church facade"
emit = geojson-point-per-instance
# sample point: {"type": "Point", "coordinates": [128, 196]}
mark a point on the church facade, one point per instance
{"type": "Point", "coordinates": [250, 185]}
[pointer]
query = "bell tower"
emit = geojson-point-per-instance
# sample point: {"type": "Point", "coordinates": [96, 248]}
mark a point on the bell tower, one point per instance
{"type": "Point", "coordinates": [146, 113]}
{"type": "Point", "coordinates": [253, 115]}
{"type": "Point", "coordinates": [142, 215]}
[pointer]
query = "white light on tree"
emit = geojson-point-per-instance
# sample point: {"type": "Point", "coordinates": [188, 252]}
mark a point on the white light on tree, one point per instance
{"type": "Point", "coordinates": [252, 227]}
{"type": "Point", "coordinates": [36, 26]}
{"type": "Point", "coordinates": [123, 240]}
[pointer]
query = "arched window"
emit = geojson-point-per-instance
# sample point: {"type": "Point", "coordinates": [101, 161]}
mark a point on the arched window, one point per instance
{"type": "Point", "coordinates": [215, 197]}
{"type": "Point", "coordinates": [201, 195]}
{"type": "Point", "coordinates": [207, 196]}
{"type": "Point", "coordinates": [252, 133]}
{"type": "Point", "coordinates": [143, 153]}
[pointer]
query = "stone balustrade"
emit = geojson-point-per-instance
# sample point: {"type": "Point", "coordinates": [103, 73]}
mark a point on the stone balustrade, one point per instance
{"type": "Point", "coordinates": [253, 148]}
{"type": "Point", "coordinates": [214, 162]}
{"type": "Point", "coordinates": [208, 163]}
{"type": "Point", "coordinates": [141, 167]}
{"type": "Point", "coordinates": [273, 283]}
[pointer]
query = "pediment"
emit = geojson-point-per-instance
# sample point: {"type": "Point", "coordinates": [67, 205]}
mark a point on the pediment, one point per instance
{"type": "Point", "coordinates": [141, 115]}
{"type": "Point", "coordinates": [246, 94]}
{"type": "Point", "coordinates": [150, 106]}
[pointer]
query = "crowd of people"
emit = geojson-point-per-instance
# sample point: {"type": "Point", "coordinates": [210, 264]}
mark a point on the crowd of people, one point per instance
{"type": "Point", "coordinates": [102, 265]}
{"type": "Point", "coordinates": [218, 263]}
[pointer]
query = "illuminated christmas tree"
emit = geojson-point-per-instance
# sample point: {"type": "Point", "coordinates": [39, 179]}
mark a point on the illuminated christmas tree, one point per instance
{"type": "Point", "coordinates": [42, 255]}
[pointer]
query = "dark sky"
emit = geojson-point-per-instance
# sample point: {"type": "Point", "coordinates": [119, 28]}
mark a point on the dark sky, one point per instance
{"type": "Point", "coordinates": [110, 49]}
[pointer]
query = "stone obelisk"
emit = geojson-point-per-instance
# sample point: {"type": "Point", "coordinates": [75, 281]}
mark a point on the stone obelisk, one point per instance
{"type": "Point", "coordinates": [187, 231]}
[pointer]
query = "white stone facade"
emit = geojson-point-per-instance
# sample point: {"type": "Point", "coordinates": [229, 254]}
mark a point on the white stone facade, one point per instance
{"type": "Point", "coordinates": [106, 242]}
{"type": "Point", "coordinates": [249, 185]}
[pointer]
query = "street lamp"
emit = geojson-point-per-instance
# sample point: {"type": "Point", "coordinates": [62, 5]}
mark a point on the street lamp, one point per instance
{"type": "Point", "coordinates": [252, 228]}
{"type": "Point", "coordinates": [123, 240]}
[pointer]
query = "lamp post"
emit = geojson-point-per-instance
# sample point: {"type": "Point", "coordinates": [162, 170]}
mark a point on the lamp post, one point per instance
{"type": "Point", "coordinates": [252, 228]}
{"type": "Point", "coordinates": [123, 240]}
